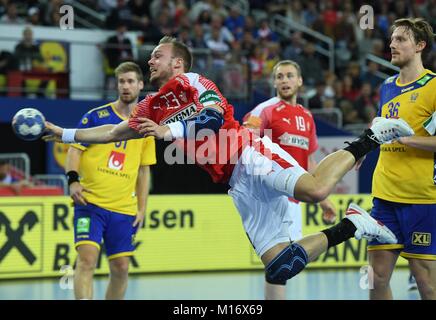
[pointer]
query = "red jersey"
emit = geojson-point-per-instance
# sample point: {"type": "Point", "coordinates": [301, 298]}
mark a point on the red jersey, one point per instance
{"type": "Point", "coordinates": [181, 98]}
{"type": "Point", "coordinates": [292, 126]}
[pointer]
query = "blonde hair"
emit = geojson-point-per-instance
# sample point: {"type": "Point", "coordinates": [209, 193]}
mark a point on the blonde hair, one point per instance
{"type": "Point", "coordinates": [129, 67]}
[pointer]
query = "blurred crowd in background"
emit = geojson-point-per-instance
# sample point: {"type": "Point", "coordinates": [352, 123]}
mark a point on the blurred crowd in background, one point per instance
{"type": "Point", "coordinates": [240, 49]}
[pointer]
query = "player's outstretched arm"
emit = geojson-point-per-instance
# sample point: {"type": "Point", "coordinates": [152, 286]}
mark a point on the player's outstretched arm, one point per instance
{"type": "Point", "coordinates": [101, 134]}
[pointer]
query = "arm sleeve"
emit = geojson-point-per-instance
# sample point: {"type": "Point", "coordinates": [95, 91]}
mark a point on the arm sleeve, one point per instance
{"type": "Point", "coordinates": [148, 151]}
{"type": "Point", "coordinates": [141, 110]}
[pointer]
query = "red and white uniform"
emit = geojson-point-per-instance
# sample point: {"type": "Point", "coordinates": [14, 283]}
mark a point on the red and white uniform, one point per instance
{"type": "Point", "coordinates": [179, 99]}
{"type": "Point", "coordinates": [245, 161]}
{"type": "Point", "coordinates": [293, 128]}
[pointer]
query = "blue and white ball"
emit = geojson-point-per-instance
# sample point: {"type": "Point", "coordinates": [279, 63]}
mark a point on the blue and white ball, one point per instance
{"type": "Point", "coordinates": [28, 124]}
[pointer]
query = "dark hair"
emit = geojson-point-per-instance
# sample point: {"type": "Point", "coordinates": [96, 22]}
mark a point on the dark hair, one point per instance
{"type": "Point", "coordinates": [3, 162]}
{"type": "Point", "coordinates": [180, 50]}
{"type": "Point", "coordinates": [129, 67]}
{"type": "Point", "coordinates": [421, 30]}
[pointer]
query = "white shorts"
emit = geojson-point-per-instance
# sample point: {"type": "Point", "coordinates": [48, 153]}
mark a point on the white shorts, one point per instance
{"type": "Point", "coordinates": [265, 211]}
{"type": "Point", "coordinates": [296, 227]}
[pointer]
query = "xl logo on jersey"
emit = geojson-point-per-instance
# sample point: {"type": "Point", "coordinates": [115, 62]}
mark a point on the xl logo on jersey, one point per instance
{"type": "Point", "coordinates": [183, 114]}
{"type": "Point", "coordinates": [287, 139]}
{"type": "Point", "coordinates": [116, 160]}
{"type": "Point", "coordinates": [421, 239]}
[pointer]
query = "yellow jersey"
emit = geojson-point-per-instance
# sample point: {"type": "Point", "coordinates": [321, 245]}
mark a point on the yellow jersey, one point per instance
{"type": "Point", "coordinates": [110, 170]}
{"type": "Point", "coordinates": [404, 174]}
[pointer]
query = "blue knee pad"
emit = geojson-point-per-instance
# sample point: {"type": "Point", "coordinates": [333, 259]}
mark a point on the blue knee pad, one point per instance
{"type": "Point", "coordinates": [286, 265]}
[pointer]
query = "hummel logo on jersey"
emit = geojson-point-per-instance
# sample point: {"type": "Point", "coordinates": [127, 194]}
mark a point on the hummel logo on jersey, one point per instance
{"type": "Point", "coordinates": [183, 114]}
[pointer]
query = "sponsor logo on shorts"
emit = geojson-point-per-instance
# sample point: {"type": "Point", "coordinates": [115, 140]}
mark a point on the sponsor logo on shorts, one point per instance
{"type": "Point", "coordinates": [83, 225]}
{"type": "Point", "coordinates": [421, 239]}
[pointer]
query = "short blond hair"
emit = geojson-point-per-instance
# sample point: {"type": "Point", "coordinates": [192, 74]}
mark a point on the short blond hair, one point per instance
{"type": "Point", "coordinates": [287, 63]}
{"type": "Point", "coordinates": [129, 67]}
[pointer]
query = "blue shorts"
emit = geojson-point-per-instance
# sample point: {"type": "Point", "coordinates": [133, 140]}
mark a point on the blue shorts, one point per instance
{"type": "Point", "coordinates": [93, 225]}
{"type": "Point", "coordinates": [413, 224]}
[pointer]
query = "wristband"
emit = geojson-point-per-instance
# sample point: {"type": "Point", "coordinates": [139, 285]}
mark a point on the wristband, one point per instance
{"type": "Point", "coordinates": [73, 176]}
{"type": "Point", "coordinates": [177, 129]}
{"type": "Point", "coordinates": [68, 135]}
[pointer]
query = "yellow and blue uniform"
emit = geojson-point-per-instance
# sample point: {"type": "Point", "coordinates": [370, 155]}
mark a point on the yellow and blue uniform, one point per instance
{"type": "Point", "coordinates": [404, 181]}
{"type": "Point", "coordinates": [110, 172]}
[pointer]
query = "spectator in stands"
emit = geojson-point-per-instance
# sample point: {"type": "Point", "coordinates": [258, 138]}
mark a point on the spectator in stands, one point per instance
{"type": "Point", "coordinates": [235, 22]}
{"type": "Point", "coordinates": [353, 70]}
{"type": "Point", "coordinates": [265, 32]}
{"type": "Point", "coordinates": [140, 14]}
{"type": "Point", "coordinates": [33, 16]}
{"type": "Point", "coordinates": [349, 114]}
{"type": "Point", "coordinates": [185, 37]}
{"type": "Point", "coordinates": [219, 49]}
{"type": "Point", "coordinates": [181, 14]}
{"type": "Point", "coordinates": [198, 7]}
{"type": "Point", "coordinates": [310, 65]}
{"type": "Point", "coordinates": [198, 42]}
{"type": "Point", "coordinates": [164, 23]}
{"type": "Point", "coordinates": [8, 180]}
{"type": "Point", "coordinates": [27, 52]}
{"type": "Point", "coordinates": [157, 6]}
{"type": "Point", "coordinates": [11, 16]}
{"type": "Point", "coordinates": [118, 48]}
{"type": "Point", "coordinates": [257, 63]}
{"type": "Point", "coordinates": [7, 63]}
{"type": "Point", "coordinates": [350, 93]}
{"type": "Point", "coordinates": [365, 105]}
{"type": "Point", "coordinates": [198, 37]}
{"type": "Point", "coordinates": [248, 43]}
{"type": "Point", "coordinates": [294, 49]}
{"type": "Point", "coordinates": [272, 56]}
{"type": "Point", "coordinates": [294, 11]}
{"type": "Point", "coordinates": [371, 76]}
{"type": "Point", "coordinates": [218, 8]}
{"type": "Point", "coordinates": [345, 38]}
{"type": "Point", "coordinates": [310, 13]}
{"type": "Point", "coordinates": [316, 101]}
{"type": "Point", "coordinates": [51, 12]}
{"type": "Point", "coordinates": [329, 18]}
{"type": "Point", "coordinates": [224, 34]}
{"type": "Point", "coordinates": [205, 19]}
{"type": "Point", "coordinates": [250, 25]}
{"type": "Point", "coordinates": [120, 14]}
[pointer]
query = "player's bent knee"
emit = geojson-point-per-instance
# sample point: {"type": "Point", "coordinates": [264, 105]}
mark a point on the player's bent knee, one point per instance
{"type": "Point", "coordinates": [288, 263]}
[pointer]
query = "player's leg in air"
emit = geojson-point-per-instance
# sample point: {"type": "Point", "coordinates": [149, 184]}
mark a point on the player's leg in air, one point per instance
{"type": "Point", "coordinates": [262, 202]}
